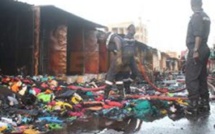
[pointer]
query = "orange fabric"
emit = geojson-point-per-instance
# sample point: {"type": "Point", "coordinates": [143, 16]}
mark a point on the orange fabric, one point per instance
{"type": "Point", "coordinates": [31, 131]}
{"type": "Point", "coordinates": [95, 108]}
{"type": "Point", "coordinates": [48, 91]}
{"type": "Point", "coordinates": [114, 103]}
{"type": "Point", "coordinates": [111, 104]}
{"type": "Point", "coordinates": [80, 79]}
{"type": "Point", "coordinates": [15, 87]}
{"type": "Point", "coordinates": [107, 106]}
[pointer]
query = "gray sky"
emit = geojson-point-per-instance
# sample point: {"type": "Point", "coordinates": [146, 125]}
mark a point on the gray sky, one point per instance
{"type": "Point", "coordinates": [166, 20]}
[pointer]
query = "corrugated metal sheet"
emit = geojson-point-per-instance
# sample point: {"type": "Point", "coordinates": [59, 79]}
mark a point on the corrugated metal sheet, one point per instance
{"type": "Point", "coordinates": [72, 18]}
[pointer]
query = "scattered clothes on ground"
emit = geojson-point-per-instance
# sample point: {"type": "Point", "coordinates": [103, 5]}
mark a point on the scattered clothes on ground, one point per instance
{"type": "Point", "coordinates": [43, 103]}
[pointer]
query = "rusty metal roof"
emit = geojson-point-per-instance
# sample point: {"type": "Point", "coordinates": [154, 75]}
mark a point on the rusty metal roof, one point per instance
{"type": "Point", "coordinates": [13, 6]}
{"type": "Point", "coordinates": [60, 13]}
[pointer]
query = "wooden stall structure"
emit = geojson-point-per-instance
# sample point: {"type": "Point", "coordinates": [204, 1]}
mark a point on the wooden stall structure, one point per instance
{"type": "Point", "coordinates": [48, 40]}
{"type": "Point", "coordinates": [16, 37]}
{"type": "Point", "coordinates": [68, 43]}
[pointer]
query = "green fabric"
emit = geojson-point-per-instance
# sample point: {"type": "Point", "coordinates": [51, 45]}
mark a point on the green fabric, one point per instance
{"type": "Point", "coordinates": [142, 109]}
{"type": "Point", "coordinates": [54, 126]}
{"type": "Point", "coordinates": [170, 94]}
{"type": "Point", "coordinates": [90, 94]}
{"type": "Point", "coordinates": [44, 79]}
{"type": "Point", "coordinates": [44, 97]}
{"type": "Point", "coordinates": [148, 110]}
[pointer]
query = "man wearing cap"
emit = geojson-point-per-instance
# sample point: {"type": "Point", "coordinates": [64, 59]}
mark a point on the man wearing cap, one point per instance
{"type": "Point", "coordinates": [196, 65]}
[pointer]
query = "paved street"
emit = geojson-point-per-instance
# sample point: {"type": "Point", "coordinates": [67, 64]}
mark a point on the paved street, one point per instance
{"type": "Point", "coordinates": [203, 125]}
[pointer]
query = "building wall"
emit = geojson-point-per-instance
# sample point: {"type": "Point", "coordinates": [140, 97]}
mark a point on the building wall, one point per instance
{"type": "Point", "coordinates": [176, 65]}
{"type": "Point", "coordinates": [156, 62]}
{"type": "Point", "coordinates": [174, 57]}
{"type": "Point", "coordinates": [172, 54]}
{"type": "Point", "coordinates": [163, 62]}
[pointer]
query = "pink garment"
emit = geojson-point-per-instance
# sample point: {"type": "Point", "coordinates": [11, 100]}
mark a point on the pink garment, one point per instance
{"type": "Point", "coordinates": [76, 114]}
{"type": "Point", "coordinates": [36, 90]}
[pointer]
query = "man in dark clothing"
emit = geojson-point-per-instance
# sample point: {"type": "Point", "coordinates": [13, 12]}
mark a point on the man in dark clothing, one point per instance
{"type": "Point", "coordinates": [196, 65]}
{"type": "Point", "coordinates": [129, 54]}
{"type": "Point", "coordinates": [123, 57]}
{"type": "Point", "coordinates": [114, 44]}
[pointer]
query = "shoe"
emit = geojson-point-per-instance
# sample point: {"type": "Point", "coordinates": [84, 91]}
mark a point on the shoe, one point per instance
{"type": "Point", "coordinates": [192, 108]}
{"type": "Point", "coordinates": [127, 87]}
{"type": "Point", "coordinates": [107, 91]}
{"type": "Point", "coordinates": [121, 91]}
{"type": "Point", "coordinates": [204, 106]}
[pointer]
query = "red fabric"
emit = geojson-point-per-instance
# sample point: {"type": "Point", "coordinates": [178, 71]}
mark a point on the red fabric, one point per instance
{"type": "Point", "coordinates": [78, 108]}
{"type": "Point", "coordinates": [111, 104]}
{"type": "Point", "coordinates": [27, 81]}
{"type": "Point", "coordinates": [52, 103]}
{"type": "Point", "coordinates": [85, 89]}
{"type": "Point", "coordinates": [107, 106]}
{"type": "Point", "coordinates": [44, 85]}
{"type": "Point", "coordinates": [76, 114]}
{"type": "Point", "coordinates": [99, 98]}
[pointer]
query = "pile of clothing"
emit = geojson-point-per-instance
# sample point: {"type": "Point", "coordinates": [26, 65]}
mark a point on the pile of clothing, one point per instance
{"type": "Point", "coordinates": [43, 103]}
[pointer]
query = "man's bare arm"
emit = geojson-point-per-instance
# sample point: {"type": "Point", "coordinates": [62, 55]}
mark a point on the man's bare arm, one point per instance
{"type": "Point", "coordinates": [198, 41]}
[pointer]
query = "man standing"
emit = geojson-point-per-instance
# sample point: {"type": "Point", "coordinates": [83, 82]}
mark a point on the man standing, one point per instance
{"type": "Point", "coordinates": [123, 50]}
{"type": "Point", "coordinates": [129, 54]}
{"type": "Point", "coordinates": [196, 65]}
{"type": "Point", "coordinates": [114, 44]}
